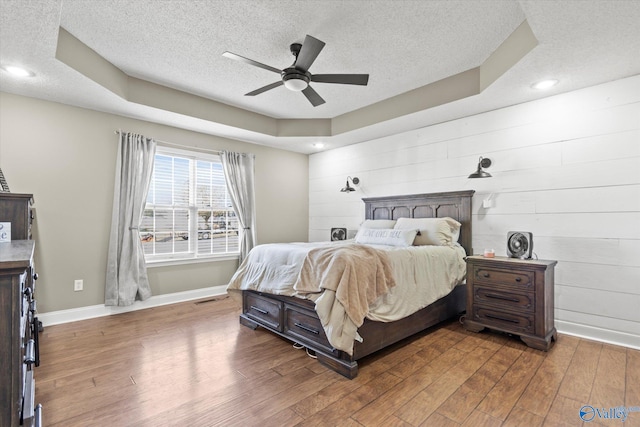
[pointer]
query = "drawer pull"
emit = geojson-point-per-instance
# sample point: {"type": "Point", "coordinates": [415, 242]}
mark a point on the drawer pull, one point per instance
{"type": "Point", "coordinates": [30, 352]}
{"type": "Point", "coordinates": [38, 416]}
{"type": "Point", "coordinates": [502, 297]}
{"type": "Point", "coordinates": [518, 279]}
{"type": "Point", "coordinates": [35, 324]}
{"type": "Point", "coordinates": [490, 316]}
{"type": "Point", "coordinates": [307, 328]}
{"type": "Point", "coordinates": [259, 310]}
{"type": "Point", "coordinates": [486, 275]}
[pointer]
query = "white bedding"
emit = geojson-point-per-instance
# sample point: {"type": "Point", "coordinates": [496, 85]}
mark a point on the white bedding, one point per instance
{"type": "Point", "coordinates": [422, 274]}
{"type": "Point", "coordinates": [273, 268]}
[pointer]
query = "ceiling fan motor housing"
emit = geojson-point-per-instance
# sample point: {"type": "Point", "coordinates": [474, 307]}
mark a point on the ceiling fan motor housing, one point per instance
{"type": "Point", "coordinates": [295, 48]}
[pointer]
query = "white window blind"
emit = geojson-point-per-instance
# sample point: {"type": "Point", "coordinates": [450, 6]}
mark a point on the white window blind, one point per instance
{"type": "Point", "coordinates": [188, 214]}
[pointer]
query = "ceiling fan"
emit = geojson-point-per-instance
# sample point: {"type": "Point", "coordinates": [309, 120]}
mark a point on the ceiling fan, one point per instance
{"type": "Point", "coordinates": [297, 77]}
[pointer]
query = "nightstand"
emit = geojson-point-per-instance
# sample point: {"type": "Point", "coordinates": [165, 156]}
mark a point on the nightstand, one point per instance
{"type": "Point", "coordinates": [512, 295]}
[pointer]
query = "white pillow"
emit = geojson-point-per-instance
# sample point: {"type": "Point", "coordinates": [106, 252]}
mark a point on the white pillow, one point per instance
{"type": "Point", "coordinates": [388, 237]}
{"type": "Point", "coordinates": [378, 223]}
{"type": "Point", "coordinates": [433, 231]}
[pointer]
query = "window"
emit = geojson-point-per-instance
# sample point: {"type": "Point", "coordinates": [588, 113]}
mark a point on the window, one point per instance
{"type": "Point", "coordinates": [188, 214]}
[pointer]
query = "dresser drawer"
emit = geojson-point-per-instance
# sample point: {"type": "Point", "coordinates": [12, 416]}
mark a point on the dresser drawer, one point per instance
{"type": "Point", "coordinates": [303, 326]}
{"type": "Point", "coordinates": [266, 311]}
{"type": "Point", "coordinates": [510, 300]}
{"type": "Point", "coordinates": [506, 321]}
{"type": "Point", "coordinates": [515, 279]}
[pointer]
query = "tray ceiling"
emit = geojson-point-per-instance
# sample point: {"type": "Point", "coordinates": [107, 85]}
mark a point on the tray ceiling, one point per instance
{"type": "Point", "coordinates": [169, 55]}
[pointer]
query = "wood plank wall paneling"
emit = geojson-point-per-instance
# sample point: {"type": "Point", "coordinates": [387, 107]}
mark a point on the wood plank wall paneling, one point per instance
{"type": "Point", "coordinates": [566, 168]}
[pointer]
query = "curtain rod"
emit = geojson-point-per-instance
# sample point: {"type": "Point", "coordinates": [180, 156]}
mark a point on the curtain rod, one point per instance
{"type": "Point", "coordinates": [188, 147]}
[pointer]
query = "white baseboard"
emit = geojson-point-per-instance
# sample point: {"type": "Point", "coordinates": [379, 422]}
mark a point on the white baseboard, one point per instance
{"type": "Point", "coordinates": [92, 311]}
{"type": "Point", "coordinates": [598, 334]}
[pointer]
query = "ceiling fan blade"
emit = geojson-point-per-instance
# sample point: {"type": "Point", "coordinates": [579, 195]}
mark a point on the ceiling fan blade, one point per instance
{"type": "Point", "coordinates": [308, 53]}
{"type": "Point", "coordinates": [251, 62]}
{"type": "Point", "coordinates": [344, 79]}
{"type": "Point", "coordinates": [264, 89]}
{"type": "Point", "coordinates": [313, 96]}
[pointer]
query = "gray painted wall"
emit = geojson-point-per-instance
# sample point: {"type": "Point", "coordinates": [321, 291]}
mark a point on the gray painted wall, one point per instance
{"type": "Point", "coordinates": [66, 157]}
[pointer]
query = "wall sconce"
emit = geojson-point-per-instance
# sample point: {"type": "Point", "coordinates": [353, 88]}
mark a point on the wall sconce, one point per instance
{"type": "Point", "coordinates": [482, 163]}
{"type": "Point", "coordinates": [347, 188]}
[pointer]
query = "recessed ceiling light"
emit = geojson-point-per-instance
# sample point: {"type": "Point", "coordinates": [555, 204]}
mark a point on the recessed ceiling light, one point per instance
{"type": "Point", "coordinates": [318, 145]}
{"type": "Point", "coordinates": [545, 84]}
{"type": "Point", "coordinates": [18, 71]}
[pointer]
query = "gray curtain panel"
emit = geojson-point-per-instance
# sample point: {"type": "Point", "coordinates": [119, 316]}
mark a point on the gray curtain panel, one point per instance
{"type": "Point", "coordinates": [126, 268]}
{"type": "Point", "coordinates": [240, 175]}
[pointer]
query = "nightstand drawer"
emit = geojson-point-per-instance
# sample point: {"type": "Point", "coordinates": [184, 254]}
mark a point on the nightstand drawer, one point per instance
{"type": "Point", "coordinates": [503, 320]}
{"type": "Point", "coordinates": [266, 311]}
{"type": "Point", "coordinates": [489, 295]}
{"type": "Point", "coordinates": [517, 279]}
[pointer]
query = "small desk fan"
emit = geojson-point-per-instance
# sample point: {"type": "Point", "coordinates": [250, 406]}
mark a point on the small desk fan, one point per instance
{"type": "Point", "coordinates": [338, 234]}
{"type": "Point", "coordinates": [519, 244]}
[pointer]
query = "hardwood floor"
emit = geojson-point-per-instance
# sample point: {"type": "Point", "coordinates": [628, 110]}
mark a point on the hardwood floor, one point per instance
{"type": "Point", "coordinates": [192, 364]}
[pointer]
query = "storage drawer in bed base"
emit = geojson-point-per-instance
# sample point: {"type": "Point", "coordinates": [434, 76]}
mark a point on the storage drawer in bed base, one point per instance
{"type": "Point", "coordinates": [304, 327]}
{"type": "Point", "coordinates": [266, 311]}
{"type": "Point", "coordinates": [299, 323]}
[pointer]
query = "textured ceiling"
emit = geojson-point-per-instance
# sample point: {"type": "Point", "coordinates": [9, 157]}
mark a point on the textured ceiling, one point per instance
{"type": "Point", "coordinates": [402, 45]}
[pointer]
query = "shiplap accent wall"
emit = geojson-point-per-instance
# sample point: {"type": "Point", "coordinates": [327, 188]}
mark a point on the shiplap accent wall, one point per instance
{"type": "Point", "coordinates": [566, 168]}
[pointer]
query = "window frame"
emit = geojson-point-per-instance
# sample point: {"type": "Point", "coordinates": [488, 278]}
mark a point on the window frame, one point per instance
{"type": "Point", "coordinates": [190, 257]}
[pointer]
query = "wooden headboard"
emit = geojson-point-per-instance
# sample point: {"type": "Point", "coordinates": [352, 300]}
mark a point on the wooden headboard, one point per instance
{"type": "Point", "coordinates": [455, 204]}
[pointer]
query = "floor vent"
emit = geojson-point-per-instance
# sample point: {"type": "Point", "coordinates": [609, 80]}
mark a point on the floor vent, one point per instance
{"type": "Point", "coordinates": [204, 301]}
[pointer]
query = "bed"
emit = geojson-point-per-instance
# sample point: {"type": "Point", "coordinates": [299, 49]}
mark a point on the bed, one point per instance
{"type": "Point", "coordinates": [297, 319]}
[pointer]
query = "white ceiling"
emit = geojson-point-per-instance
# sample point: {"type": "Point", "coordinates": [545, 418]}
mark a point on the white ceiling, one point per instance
{"type": "Point", "coordinates": [401, 44]}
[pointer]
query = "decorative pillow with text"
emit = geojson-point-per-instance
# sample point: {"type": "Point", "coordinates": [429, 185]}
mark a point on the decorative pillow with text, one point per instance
{"type": "Point", "coordinates": [389, 237]}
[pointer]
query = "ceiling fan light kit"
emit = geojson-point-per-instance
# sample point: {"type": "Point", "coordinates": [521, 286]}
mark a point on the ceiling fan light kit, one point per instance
{"type": "Point", "coordinates": [295, 80]}
{"type": "Point", "coordinates": [297, 77]}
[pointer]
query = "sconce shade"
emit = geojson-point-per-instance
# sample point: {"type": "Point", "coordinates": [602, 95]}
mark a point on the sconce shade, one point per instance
{"type": "Point", "coordinates": [482, 163]}
{"type": "Point", "coordinates": [347, 188]}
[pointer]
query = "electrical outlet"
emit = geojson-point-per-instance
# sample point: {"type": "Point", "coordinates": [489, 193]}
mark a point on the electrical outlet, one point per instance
{"type": "Point", "coordinates": [78, 285]}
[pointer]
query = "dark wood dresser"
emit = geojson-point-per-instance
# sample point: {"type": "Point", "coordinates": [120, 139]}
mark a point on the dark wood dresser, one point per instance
{"type": "Point", "coordinates": [514, 296]}
{"type": "Point", "coordinates": [19, 325]}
